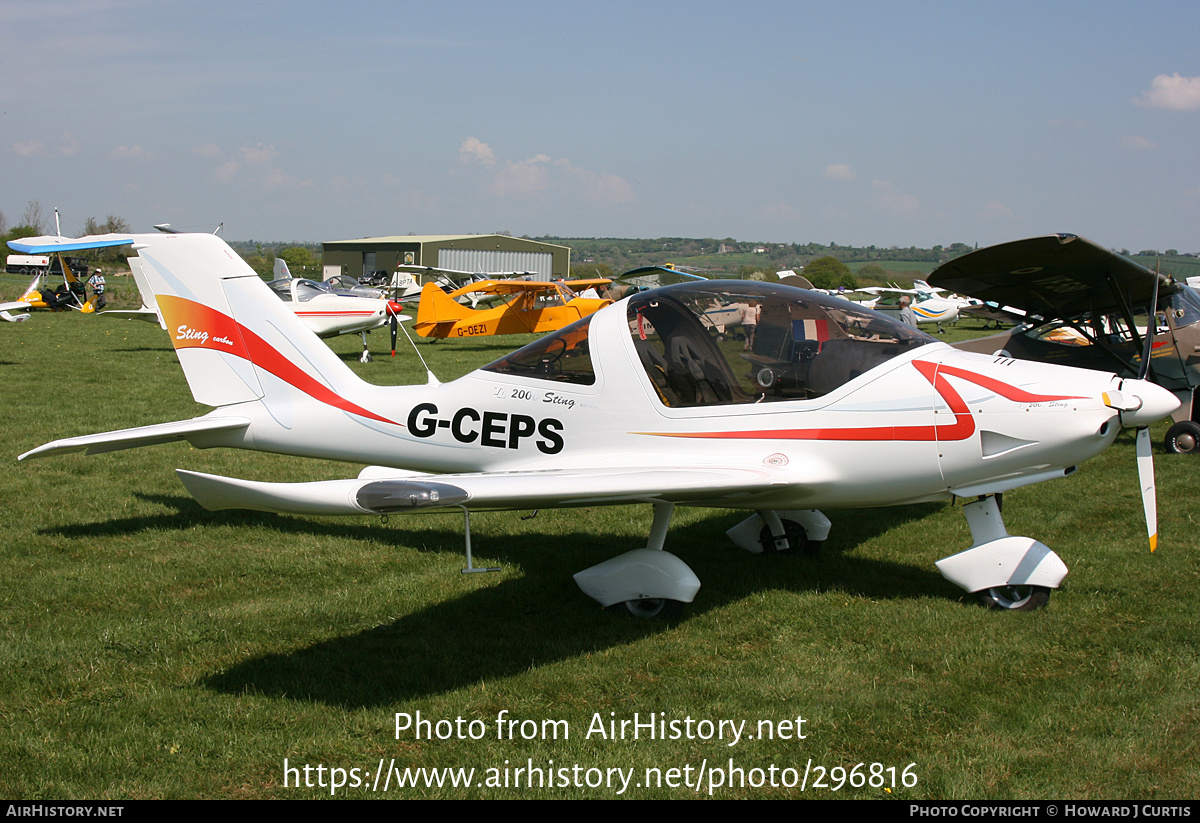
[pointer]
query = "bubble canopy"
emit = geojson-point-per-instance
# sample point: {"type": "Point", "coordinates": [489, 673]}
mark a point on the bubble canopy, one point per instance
{"type": "Point", "coordinates": [720, 342]}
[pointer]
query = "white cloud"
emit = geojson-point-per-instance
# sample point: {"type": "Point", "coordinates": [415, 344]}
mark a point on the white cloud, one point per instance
{"type": "Point", "coordinates": [994, 210]}
{"type": "Point", "coordinates": [603, 187]}
{"type": "Point", "coordinates": [257, 153]}
{"type": "Point", "coordinates": [1137, 143]}
{"type": "Point", "coordinates": [474, 149]}
{"type": "Point", "coordinates": [277, 179]}
{"type": "Point", "coordinates": [839, 171]}
{"type": "Point", "coordinates": [1171, 91]}
{"type": "Point", "coordinates": [523, 177]}
{"type": "Point", "coordinates": [128, 152]}
{"type": "Point", "coordinates": [227, 170]}
{"type": "Point", "coordinates": [30, 148]}
{"type": "Point", "coordinates": [70, 145]}
{"type": "Point", "coordinates": [540, 173]}
{"type": "Point", "coordinates": [893, 200]}
{"type": "Point", "coordinates": [35, 148]}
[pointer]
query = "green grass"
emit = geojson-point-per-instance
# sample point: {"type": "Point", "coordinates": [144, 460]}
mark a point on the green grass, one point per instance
{"type": "Point", "coordinates": [153, 649]}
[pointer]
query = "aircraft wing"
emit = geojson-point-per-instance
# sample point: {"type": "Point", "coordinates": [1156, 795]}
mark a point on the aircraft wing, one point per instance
{"type": "Point", "coordinates": [461, 273]}
{"type": "Point", "coordinates": [503, 287]}
{"type": "Point", "coordinates": [580, 285]}
{"type": "Point", "coordinates": [51, 244]}
{"type": "Point", "coordinates": [372, 493]}
{"type": "Point", "coordinates": [1056, 277]}
{"type": "Point", "coordinates": [663, 276]}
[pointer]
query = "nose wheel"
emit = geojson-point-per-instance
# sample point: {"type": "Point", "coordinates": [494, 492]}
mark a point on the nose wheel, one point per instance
{"type": "Point", "coordinates": [1014, 598]}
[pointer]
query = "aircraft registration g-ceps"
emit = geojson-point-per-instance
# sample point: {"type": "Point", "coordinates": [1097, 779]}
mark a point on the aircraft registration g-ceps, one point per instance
{"type": "Point", "coordinates": [639, 404]}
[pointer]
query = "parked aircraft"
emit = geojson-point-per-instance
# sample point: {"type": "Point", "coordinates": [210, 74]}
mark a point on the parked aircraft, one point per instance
{"type": "Point", "coordinates": [406, 286]}
{"type": "Point", "coordinates": [6, 310]}
{"type": "Point", "coordinates": [637, 403]}
{"type": "Point", "coordinates": [927, 307]}
{"type": "Point", "coordinates": [329, 312]}
{"type": "Point", "coordinates": [532, 307]}
{"type": "Point", "coordinates": [72, 294]}
{"type": "Point", "coordinates": [1082, 304]}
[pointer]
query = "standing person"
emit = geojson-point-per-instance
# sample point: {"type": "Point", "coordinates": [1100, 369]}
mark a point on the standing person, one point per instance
{"type": "Point", "coordinates": [96, 281]}
{"type": "Point", "coordinates": [749, 322]}
{"type": "Point", "coordinates": [907, 316]}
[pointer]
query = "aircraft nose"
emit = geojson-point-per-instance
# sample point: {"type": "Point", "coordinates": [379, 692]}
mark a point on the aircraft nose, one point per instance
{"type": "Point", "coordinates": [1141, 402]}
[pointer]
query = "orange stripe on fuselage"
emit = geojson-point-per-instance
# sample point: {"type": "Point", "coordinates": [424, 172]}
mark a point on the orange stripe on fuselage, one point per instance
{"type": "Point", "coordinates": [194, 325]}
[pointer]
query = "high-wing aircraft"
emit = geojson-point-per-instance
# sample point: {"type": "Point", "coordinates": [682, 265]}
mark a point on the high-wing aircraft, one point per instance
{"type": "Point", "coordinates": [532, 307]}
{"type": "Point", "coordinates": [638, 403]}
{"type": "Point", "coordinates": [406, 282]}
{"type": "Point", "coordinates": [1089, 307]}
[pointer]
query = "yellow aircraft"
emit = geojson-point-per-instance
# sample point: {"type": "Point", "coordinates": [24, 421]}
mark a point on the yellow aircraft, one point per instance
{"type": "Point", "coordinates": [532, 306]}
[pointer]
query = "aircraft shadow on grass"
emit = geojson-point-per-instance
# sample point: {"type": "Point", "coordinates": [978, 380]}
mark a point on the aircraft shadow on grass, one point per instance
{"type": "Point", "coordinates": [461, 641]}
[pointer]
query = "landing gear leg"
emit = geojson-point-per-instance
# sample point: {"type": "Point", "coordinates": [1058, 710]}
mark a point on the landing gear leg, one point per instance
{"type": "Point", "coordinates": [646, 581]}
{"type": "Point", "coordinates": [1004, 572]}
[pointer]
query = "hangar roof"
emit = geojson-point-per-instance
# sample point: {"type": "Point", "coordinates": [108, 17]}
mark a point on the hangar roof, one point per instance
{"type": "Point", "coordinates": [434, 238]}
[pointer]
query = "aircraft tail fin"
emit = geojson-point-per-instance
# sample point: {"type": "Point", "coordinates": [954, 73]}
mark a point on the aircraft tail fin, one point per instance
{"type": "Point", "coordinates": [437, 307]}
{"type": "Point", "coordinates": [236, 341]}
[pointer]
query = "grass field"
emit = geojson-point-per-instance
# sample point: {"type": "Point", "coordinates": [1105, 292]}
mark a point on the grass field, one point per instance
{"type": "Point", "coordinates": [152, 649]}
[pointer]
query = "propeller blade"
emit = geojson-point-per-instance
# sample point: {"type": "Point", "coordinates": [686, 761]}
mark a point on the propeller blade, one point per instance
{"type": "Point", "coordinates": [1145, 464]}
{"type": "Point", "coordinates": [395, 323]}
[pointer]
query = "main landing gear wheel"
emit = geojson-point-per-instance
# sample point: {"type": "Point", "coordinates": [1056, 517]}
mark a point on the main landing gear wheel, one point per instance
{"type": "Point", "coordinates": [797, 540]}
{"type": "Point", "coordinates": [1183, 438]}
{"type": "Point", "coordinates": [1014, 598]}
{"type": "Point", "coordinates": [653, 607]}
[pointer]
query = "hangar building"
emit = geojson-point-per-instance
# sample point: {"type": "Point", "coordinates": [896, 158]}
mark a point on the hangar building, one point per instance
{"type": "Point", "coordinates": [461, 252]}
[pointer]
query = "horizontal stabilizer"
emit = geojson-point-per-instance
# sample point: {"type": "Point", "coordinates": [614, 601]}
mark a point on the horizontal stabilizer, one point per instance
{"type": "Point", "coordinates": [149, 315]}
{"type": "Point", "coordinates": [499, 490]}
{"type": "Point", "coordinates": [142, 436]}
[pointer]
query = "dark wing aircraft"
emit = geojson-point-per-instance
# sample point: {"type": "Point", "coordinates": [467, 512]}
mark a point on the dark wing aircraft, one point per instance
{"type": "Point", "coordinates": [1089, 307]}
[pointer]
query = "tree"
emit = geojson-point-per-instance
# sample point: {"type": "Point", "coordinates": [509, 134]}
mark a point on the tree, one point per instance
{"type": "Point", "coordinates": [298, 259]}
{"type": "Point", "coordinates": [34, 217]}
{"type": "Point", "coordinates": [828, 273]}
{"type": "Point", "coordinates": [111, 225]}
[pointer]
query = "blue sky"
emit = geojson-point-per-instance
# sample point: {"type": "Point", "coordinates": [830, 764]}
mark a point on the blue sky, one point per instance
{"type": "Point", "coordinates": [882, 123]}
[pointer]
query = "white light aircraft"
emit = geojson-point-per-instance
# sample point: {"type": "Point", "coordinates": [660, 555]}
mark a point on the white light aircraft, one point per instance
{"type": "Point", "coordinates": [638, 403]}
{"type": "Point", "coordinates": [927, 307]}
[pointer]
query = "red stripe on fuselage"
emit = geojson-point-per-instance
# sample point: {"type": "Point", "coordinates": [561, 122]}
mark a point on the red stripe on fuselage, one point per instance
{"type": "Point", "coordinates": [962, 427]}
